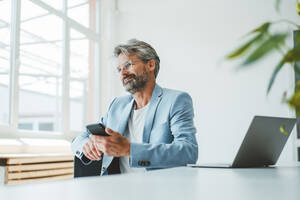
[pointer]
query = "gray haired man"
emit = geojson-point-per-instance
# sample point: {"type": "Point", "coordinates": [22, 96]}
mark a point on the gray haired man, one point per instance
{"type": "Point", "coordinates": [150, 128]}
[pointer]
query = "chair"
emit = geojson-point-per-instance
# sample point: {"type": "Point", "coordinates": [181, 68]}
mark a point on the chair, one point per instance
{"type": "Point", "coordinates": [94, 168]}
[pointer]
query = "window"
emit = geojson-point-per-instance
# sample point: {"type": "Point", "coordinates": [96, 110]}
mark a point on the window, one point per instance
{"type": "Point", "coordinates": [52, 55]}
{"type": "Point", "coordinates": [4, 60]}
{"type": "Point", "coordinates": [79, 70]}
{"type": "Point", "coordinates": [26, 126]}
{"type": "Point", "coordinates": [40, 75]}
{"type": "Point", "coordinates": [79, 11]}
{"type": "Point", "coordinates": [57, 4]}
{"type": "Point", "coordinates": [46, 126]}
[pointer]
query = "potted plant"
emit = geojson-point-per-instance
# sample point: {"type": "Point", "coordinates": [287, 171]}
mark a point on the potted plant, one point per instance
{"type": "Point", "coordinates": [261, 41]}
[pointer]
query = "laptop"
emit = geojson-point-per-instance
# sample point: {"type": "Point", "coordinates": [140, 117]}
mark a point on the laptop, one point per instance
{"type": "Point", "coordinates": [262, 144]}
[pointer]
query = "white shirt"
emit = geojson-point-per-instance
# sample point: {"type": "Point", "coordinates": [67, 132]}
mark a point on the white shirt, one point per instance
{"type": "Point", "coordinates": [134, 133]}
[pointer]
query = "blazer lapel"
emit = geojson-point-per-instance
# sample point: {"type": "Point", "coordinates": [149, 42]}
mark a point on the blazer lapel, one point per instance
{"type": "Point", "coordinates": [121, 129]}
{"type": "Point", "coordinates": [125, 116]}
{"type": "Point", "coordinates": [155, 99]}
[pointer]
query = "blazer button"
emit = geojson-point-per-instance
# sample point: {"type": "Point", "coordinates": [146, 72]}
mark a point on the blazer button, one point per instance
{"type": "Point", "coordinates": [103, 169]}
{"type": "Point", "coordinates": [144, 163]}
{"type": "Point", "coordinates": [147, 163]}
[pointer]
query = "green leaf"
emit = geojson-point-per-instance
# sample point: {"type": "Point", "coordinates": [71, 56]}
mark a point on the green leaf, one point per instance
{"type": "Point", "coordinates": [241, 50]}
{"type": "Point", "coordinates": [297, 70]}
{"type": "Point", "coordinates": [294, 101]}
{"type": "Point", "coordinates": [261, 29]}
{"type": "Point", "coordinates": [298, 37]}
{"type": "Point", "coordinates": [282, 130]}
{"type": "Point", "coordinates": [266, 47]}
{"type": "Point", "coordinates": [297, 86]}
{"type": "Point", "coordinates": [277, 5]}
{"type": "Point", "coordinates": [293, 55]}
{"type": "Point", "coordinates": [298, 7]}
{"type": "Point", "coordinates": [274, 74]}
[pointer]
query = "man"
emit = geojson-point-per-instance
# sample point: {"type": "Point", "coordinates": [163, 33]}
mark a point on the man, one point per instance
{"type": "Point", "coordinates": [151, 128]}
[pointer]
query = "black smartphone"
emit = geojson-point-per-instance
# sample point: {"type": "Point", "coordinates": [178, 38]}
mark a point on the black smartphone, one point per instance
{"type": "Point", "coordinates": [97, 129]}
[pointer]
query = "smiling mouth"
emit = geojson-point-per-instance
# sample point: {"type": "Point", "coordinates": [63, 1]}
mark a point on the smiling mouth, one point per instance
{"type": "Point", "coordinates": [127, 79]}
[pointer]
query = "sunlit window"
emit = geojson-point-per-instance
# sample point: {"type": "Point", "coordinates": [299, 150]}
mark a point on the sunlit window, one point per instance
{"type": "Point", "coordinates": [79, 11]}
{"type": "Point", "coordinates": [52, 60]}
{"type": "Point", "coordinates": [4, 60]}
{"type": "Point", "coordinates": [57, 4]}
{"type": "Point", "coordinates": [79, 69]}
{"type": "Point", "coordinates": [40, 80]}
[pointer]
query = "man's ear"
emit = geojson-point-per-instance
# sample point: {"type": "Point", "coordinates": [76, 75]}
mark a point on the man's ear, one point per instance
{"type": "Point", "coordinates": [151, 64]}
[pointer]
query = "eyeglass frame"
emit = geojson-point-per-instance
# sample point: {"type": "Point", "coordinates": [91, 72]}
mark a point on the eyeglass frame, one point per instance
{"type": "Point", "coordinates": [127, 65]}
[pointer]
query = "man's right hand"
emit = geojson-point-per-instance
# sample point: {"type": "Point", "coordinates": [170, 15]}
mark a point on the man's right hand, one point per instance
{"type": "Point", "coordinates": [91, 152]}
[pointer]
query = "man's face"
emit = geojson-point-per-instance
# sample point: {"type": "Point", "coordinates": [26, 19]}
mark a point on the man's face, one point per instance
{"type": "Point", "coordinates": [134, 75]}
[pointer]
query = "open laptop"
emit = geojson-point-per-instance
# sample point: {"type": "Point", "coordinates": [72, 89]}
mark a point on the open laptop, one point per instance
{"type": "Point", "coordinates": [262, 144]}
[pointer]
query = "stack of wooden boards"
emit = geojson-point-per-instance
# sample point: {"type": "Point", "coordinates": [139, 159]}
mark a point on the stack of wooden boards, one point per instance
{"type": "Point", "coordinates": [23, 168]}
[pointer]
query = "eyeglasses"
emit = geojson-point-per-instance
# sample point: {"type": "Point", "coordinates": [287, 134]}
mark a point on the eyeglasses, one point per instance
{"type": "Point", "coordinates": [127, 65]}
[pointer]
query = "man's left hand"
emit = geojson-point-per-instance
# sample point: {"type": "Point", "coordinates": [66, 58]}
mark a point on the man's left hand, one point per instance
{"type": "Point", "coordinates": [114, 145]}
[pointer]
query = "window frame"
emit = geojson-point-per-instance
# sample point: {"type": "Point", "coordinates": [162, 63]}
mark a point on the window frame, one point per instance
{"type": "Point", "coordinates": [11, 130]}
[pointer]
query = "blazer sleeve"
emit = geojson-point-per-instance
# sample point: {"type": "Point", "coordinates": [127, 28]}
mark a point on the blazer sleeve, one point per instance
{"type": "Point", "coordinates": [79, 141]}
{"type": "Point", "coordinates": [184, 148]}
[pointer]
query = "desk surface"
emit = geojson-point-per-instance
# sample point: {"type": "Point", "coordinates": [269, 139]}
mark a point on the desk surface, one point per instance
{"type": "Point", "coordinates": [282, 183]}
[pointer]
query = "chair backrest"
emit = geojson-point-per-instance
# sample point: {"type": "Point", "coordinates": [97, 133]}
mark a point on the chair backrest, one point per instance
{"type": "Point", "coordinates": [81, 170]}
{"type": "Point", "coordinates": [114, 167]}
{"type": "Point", "coordinates": [94, 168]}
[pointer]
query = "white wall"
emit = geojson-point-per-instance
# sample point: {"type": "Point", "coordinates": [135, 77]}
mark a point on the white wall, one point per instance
{"type": "Point", "coordinates": [191, 38]}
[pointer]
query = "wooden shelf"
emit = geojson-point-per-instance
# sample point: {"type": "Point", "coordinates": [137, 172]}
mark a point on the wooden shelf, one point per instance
{"type": "Point", "coordinates": [44, 166]}
{"type": "Point", "coordinates": [24, 168]}
{"type": "Point", "coordinates": [62, 177]}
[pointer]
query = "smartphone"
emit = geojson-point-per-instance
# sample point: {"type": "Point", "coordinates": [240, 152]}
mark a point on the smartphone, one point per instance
{"type": "Point", "coordinates": [97, 129]}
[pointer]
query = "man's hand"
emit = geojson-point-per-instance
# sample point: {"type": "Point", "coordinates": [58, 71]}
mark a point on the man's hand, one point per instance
{"type": "Point", "coordinates": [91, 151]}
{"type": "Point", "coordinates": [114, 145]}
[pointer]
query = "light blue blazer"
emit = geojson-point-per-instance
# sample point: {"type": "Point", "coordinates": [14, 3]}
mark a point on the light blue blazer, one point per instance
{"type": "Point", "coordinates": [169, 133]}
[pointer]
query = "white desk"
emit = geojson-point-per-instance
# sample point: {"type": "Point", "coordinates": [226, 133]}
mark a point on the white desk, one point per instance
{"type": "Point", "coordinates": [178, 183]}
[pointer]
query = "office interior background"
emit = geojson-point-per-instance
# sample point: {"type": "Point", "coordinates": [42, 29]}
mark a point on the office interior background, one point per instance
{"type": "Point", "coordinates": [57, 72]}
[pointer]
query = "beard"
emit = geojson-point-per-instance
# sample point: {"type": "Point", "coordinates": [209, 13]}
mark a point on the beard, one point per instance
{"type": "Point", "coordinates": [136, 83]}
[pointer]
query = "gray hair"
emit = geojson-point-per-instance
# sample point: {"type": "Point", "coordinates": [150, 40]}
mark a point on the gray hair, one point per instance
{"type": "Point", "coordinates": [142, 50]}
